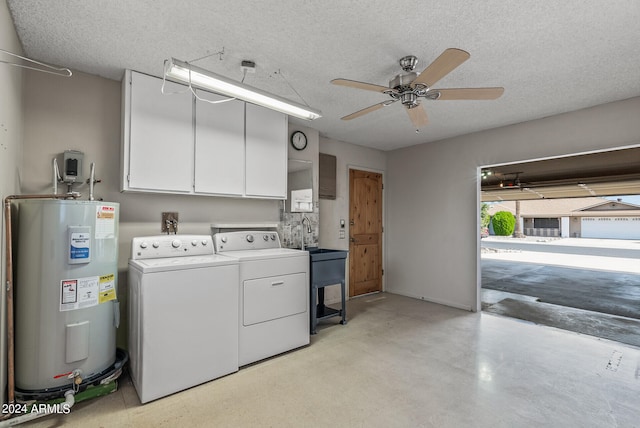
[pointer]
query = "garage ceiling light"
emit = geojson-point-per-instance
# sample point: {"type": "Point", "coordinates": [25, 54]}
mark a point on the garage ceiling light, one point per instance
{"type": "Point", "coordinates": [192, 75]}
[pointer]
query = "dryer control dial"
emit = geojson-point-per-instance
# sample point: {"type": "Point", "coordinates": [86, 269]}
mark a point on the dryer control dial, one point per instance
{"type": "Point", "coordinates": [265, 237]}
{"type": "Point", "coordinates": [155, 244]}
{"type": "Point", "coordinates": [249, 238]}
{"type": "Point", "coordinates": [143, 245]}
{"type": "Point", "coordinates": [176, 243]}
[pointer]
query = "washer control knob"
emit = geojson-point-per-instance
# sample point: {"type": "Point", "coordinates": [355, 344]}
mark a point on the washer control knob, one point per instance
{"type": "Point", "coordinates": [156, 244]}
{"type": "Point", "coordinates": [273, 236]}
{"type": "Point", "coordinates": [176, 243]}
{"type": "Point", "coordinates": [265, 237]}
{"type": "Point", "coordinates": [249, 238]}
{"type": "Point", "coordinates": [205, 242]}
{"type": "Point", "coordinates": [223, 239]}
{"type": "Point", "coordinates": [194, 243]}
{"type": "Point", "coordinates": [143, 245]}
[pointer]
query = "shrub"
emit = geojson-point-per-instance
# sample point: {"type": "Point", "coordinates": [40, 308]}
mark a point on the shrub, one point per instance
{"type": "Point", "coordinates": [503, 223]}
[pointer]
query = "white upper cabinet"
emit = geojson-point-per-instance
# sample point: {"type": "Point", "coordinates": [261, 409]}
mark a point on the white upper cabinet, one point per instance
{"type": "Point", "coordinates": [219, 155]}
{"type": "Point", "coordinates": [158, 135]}
{"type": "Point", "coordinates": [175, 143]}
{"type": "Point", "coordinates": [266, 153]}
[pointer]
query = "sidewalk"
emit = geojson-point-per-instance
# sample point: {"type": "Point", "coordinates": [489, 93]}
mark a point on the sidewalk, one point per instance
{"type": "Point", "coordinates": [610, 248]}
{"type": "Point", "coordinates": [605, 263]}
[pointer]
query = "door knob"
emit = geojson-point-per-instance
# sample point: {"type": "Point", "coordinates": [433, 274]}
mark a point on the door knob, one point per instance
{"type": "Point", "coordinates": [352, 239]}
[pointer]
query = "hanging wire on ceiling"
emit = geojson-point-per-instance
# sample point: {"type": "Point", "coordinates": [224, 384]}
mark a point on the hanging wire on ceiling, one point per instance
{"type": "Point", "coordinates": [47, 68]}
{"type": "Point", "coordinates": [219, 53]}
{"type": "Point", "coordinates": [279, 72]}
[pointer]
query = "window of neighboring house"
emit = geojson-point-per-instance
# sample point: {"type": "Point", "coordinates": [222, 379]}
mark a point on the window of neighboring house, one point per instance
{"type": "Point", "coordinates": [546, 223]}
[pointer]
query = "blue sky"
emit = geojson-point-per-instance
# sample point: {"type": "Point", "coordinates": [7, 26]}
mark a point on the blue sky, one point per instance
{"type": "Point", "coordinates": [631, 199]}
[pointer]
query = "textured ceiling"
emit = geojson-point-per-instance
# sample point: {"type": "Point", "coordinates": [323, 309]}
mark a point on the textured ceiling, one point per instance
{"type": "Point", "coordinates": [550, 56]}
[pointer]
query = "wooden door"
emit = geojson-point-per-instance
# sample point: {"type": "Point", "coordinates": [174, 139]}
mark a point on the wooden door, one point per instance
{"type": "Point", "coordinates": [365, 232]}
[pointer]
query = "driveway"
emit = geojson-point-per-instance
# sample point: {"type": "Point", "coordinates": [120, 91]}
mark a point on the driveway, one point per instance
{"type": "Point", "coordinates": [536, 279]}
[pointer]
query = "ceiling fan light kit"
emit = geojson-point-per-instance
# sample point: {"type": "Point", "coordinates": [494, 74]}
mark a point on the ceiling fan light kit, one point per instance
{"type": "Point", "coordinates": [410, 86]}
{"type": "Point", "coordinates": [196, 76]}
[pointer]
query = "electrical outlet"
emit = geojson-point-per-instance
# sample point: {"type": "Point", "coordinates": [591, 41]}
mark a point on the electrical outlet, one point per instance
{"type": "Point", "coordinates": [169, 222]}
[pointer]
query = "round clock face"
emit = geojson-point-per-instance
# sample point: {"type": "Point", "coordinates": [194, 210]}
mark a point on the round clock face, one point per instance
{"type": "Point", "coordinates": [298, 140]}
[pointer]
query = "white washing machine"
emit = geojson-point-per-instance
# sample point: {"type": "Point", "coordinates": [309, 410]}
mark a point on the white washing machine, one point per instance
{"type": "Point", "coordinates": [274, 293]}
{"type": "Point", "coordinates": [183, 307]}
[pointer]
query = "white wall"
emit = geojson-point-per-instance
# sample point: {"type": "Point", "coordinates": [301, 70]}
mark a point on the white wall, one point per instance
{"type": "Point", "coordinates": [10, 152]}
{"type": "Point", "coordinates": [331, 211]}
{"type": "Point", "coordinates": [432, 194]}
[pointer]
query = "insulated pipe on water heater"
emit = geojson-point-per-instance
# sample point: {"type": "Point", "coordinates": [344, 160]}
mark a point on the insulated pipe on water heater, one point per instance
{"type": "Point", "coordinates": [92, 180]}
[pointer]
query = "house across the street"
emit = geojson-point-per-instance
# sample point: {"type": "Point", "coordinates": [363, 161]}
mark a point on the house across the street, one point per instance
{"type": "Point", "coordinates": [576, 217]}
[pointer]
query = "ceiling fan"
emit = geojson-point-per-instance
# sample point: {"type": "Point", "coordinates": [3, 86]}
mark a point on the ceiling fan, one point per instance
{"type": "Point", "coordinates": [410, 86]}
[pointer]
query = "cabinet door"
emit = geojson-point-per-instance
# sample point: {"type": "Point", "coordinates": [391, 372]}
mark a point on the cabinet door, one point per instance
{"type": "Point", "coordinates": [266, 152]}
{"type": "Point", "coordinates": [219, 156]}
{"type": "Point", "coordinates": [160, 140]}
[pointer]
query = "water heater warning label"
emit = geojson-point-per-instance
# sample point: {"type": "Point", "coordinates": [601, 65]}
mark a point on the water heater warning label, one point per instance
{"type": "Point", "coordinates": [78, 293]}
{"type": "Point", "coordinates": [107, 288]}
{"type": "Point", "coordinates": [105, 222]}
{"type": "Point", "coordinates": [82, 293]}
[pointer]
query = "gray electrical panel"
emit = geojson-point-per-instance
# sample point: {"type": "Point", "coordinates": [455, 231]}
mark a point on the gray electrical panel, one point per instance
{"type": "Point", "coordinates": [70, 165]}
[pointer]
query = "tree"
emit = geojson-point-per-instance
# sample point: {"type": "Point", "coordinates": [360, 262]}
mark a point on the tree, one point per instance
{"type": "Point", "coordinates": [485, 218]}
{"type": "Point", "coordinates": [518, 233]}
{"type": "Point", "coordinates": [503, 223]}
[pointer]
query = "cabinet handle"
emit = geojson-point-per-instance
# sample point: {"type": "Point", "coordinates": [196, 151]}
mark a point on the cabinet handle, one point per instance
{"type": "Point", "coordinates": [276, 283]}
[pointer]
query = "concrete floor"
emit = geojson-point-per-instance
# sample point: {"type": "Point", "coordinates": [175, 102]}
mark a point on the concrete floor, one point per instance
{"type": "Point", "coordinates": [402, 362]}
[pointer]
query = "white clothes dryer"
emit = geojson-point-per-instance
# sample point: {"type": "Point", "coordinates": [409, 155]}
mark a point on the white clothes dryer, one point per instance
{"type": "Point", "coordinates": [273, 291]}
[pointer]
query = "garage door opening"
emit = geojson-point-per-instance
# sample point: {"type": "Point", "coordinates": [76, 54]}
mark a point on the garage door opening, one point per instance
{"type": "Point", "coordinates": [574, 259]}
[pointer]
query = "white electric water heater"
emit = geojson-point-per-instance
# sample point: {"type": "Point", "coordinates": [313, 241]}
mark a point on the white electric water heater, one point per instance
{"type": "Point", "coordinates": [66, 308]}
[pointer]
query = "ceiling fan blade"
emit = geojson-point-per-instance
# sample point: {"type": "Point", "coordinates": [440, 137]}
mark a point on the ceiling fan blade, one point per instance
{"type": "Point", "coordinates": [367, 110]}
{"type": "Point", "coordinates": [418, 116]}
{"type": "Point", "coordinates": [469, 93]}
{"type": "Point", "coordinates": [361, 85]}
{"type": "Point", "coordinates": [443, 65]}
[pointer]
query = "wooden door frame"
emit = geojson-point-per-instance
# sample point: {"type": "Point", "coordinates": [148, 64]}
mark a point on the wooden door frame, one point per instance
{"type": "Point", "coordinates": [384, 248]}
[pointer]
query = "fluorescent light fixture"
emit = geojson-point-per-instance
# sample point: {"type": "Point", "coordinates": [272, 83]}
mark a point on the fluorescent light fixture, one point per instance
{"type": "Point", "coordinates": [196, 76]}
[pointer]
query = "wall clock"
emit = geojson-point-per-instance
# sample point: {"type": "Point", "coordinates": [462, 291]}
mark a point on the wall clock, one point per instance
{"type": "Point", "coordinates": [299, 140]}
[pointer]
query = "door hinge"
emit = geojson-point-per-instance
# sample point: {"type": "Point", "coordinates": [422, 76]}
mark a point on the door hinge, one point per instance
{"type": "Point", "coordinates": [382, 272]}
